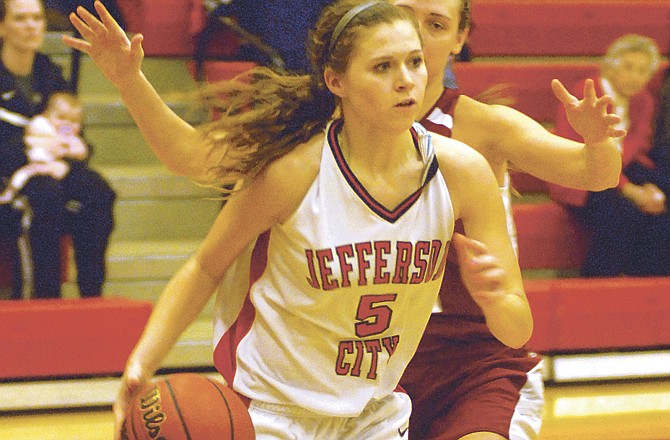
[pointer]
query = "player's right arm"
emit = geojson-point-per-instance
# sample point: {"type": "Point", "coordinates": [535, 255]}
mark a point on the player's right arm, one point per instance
{"type": "Point", "coordinates": [270, 198]}
{"type": "Point", "coordinates": [171, 138]}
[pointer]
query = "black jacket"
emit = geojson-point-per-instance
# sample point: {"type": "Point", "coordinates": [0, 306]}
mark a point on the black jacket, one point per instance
{"type": "Point", "coordinates": [16, 109]}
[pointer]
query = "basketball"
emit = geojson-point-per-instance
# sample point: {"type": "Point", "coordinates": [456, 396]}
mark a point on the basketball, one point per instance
{"type": "Point", "coordinates": [187, 406]}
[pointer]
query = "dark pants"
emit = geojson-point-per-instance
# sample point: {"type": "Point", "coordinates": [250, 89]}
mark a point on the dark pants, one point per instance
{"type": "Point", "coordinates": [81, 205]}
{"type": "Point", "coordinates": [624, 240]}
{"type": "Point", "coordinates": [10, 230]}
{"type": "Point", "coordinates": [659, 176]}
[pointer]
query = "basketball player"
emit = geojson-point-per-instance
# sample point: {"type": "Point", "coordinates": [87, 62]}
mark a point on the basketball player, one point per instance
{"type": "Point", "coordinates": [340, 227]}
{"type": "Point", "coordinates": [463, 382]}
{"type": "Point", "coordinates": [445, 24]}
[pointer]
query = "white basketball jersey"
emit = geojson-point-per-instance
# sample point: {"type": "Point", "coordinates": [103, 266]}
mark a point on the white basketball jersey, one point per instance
{"type": "Point", "coordinates": [325, 310]}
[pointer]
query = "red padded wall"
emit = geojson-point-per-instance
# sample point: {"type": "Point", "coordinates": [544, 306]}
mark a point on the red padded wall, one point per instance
{"type": "Point", "coordinates": [65, 337]}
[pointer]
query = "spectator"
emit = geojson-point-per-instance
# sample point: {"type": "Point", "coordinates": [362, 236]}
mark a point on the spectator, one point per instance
{"type": "Point", "coordinates": [51, 138]}
{"type": "Point", "coordinates": [629, 225]}
{"type": "Point", "coordinates": [660, 150]}
{"type": "Point", "coordinates": [80, 204]}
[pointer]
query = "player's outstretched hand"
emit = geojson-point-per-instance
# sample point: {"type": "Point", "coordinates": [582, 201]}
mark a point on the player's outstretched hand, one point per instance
{"type": "Point", "coordinates": [589, 116]}
{"type": "Point", "coordinates": [117, 57]}
{"type": "Point", "coordinates": [133, 381]}
{"type": "Point", "coordinates": [480, 270]}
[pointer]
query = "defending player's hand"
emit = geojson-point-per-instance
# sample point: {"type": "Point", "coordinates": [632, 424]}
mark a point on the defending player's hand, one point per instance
{"type": "Point", "coordinates": [589, 116]}
{"type": "Point", "coordinates": [106, 43]}
{"type": "Point", "coordinates": [133, 381]}
{"type": "Point", "coordinates": [480, 271]}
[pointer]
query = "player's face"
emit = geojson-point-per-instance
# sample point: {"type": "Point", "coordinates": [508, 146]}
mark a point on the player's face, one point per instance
{"type": "Point", "coordinates": [24, 25]}
{"type": "Point", "coordinates": [386, 77]}
{"type": "Point", "coordinates": [65, 117]}
{"type": "Point", "coordinates": [632, 73]}
{"type": "Point", "coordinates": [438, 24]}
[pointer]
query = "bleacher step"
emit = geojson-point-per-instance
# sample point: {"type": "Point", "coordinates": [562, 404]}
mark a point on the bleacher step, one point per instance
{"type": "Point", "coordinates": [167, 75]}
{"type": "Point", "coordinates": [157, 219]}
{"type": "Point", "coordinates": [152, 181]}
{"type": "Point", "coordinates": [148, 260]}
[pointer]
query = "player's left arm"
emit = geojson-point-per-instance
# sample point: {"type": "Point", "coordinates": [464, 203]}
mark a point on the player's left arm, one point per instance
{"type": "Point", "coordinates": [593, 165]}
{"type": "Point", "coordinates": [488, 264]}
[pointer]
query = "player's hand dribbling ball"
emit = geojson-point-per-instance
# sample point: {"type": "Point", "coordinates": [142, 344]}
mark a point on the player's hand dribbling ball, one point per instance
{"type": "Point", "coordinates": [187, 406]}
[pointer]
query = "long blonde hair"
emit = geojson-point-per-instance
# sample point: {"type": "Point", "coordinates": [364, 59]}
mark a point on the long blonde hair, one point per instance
{"type": "Point", "coordinates": [265, 114]}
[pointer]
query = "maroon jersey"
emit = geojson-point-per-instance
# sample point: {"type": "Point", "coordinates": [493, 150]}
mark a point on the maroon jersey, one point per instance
{"type": "Point", "coordinates": [459, 361]}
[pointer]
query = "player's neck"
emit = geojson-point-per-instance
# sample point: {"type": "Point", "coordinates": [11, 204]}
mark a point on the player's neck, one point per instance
{"type": "Point", "coordinates": [433, 92]}
{"type": "Point", "coordinates": [376, 153]}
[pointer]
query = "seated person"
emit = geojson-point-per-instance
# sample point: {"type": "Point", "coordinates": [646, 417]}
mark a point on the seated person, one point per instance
{"type": "Point", "coordinates": [659, 173]}
{"type": "Point", "coordinates": [80, 204]}
{"type": "Point", "coordinates": [630, 224]}
{"type": "Point", "coordinates": [51, 139]}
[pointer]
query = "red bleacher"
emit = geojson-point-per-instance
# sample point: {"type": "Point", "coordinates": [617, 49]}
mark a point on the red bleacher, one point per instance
{"type": "Point", "coordinates": [599, 314]}
{"type": "Point", "coordinates": [530, 81]}
{"type": "Point", "coordinates": [50, 338]}
{"type": "Point", "coordinates": [501, 27]}
{"type": "Point", "coordinates": [580, 314]}
{"type": "Point", "coordinates": [563, 27]}
{"type": "Point", "coordinates": [168, 29]}
{"type": "Point", "coordinates": [172, 30]}
{"type": "Point", "coordinates": [549, 237]}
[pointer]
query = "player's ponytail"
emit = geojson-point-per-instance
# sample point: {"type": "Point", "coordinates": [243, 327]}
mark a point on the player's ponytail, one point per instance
{"type": "Point", "coordinates": [262, 116]}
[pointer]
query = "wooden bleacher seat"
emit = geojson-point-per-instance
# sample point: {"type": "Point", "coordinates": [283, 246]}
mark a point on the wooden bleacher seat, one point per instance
{"type": "Point", "coordinates": [563, 27]}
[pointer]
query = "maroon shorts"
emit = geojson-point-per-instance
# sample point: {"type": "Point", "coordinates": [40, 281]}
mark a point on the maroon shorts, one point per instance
{"type": "Point", "coordinates": [461, 381]}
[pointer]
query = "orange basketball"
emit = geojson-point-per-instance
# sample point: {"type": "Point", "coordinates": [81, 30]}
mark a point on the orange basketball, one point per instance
{"type": "Point", "coordinates": [187, 406]}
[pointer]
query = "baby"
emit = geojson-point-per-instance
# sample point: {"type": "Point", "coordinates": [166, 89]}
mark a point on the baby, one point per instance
{"type": "Point", "coordinates": [50, 138]}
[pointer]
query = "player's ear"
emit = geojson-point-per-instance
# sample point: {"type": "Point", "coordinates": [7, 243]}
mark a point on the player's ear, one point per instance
{"type": "Point", "coordinates": [461, 38]}
{"type": "Point", "coordinates": [334, 82]}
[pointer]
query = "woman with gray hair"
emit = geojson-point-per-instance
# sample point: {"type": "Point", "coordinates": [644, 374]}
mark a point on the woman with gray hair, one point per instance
{"type": "Point", "coordinates": [629, 224]}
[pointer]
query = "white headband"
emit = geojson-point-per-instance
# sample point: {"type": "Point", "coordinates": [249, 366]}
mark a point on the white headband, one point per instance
{"type": "Point", "coordinates": [345, 20]}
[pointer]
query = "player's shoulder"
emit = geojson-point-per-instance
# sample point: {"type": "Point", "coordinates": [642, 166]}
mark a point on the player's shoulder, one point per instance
{"type": "Point", "coordinates": [454, 154]}
{"type": "Point", "coordinates": [301, 162]}
{"type": "Point", "coordinates": [459, 164]}
{"type": "Point", "coordinates": [286, 180]}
